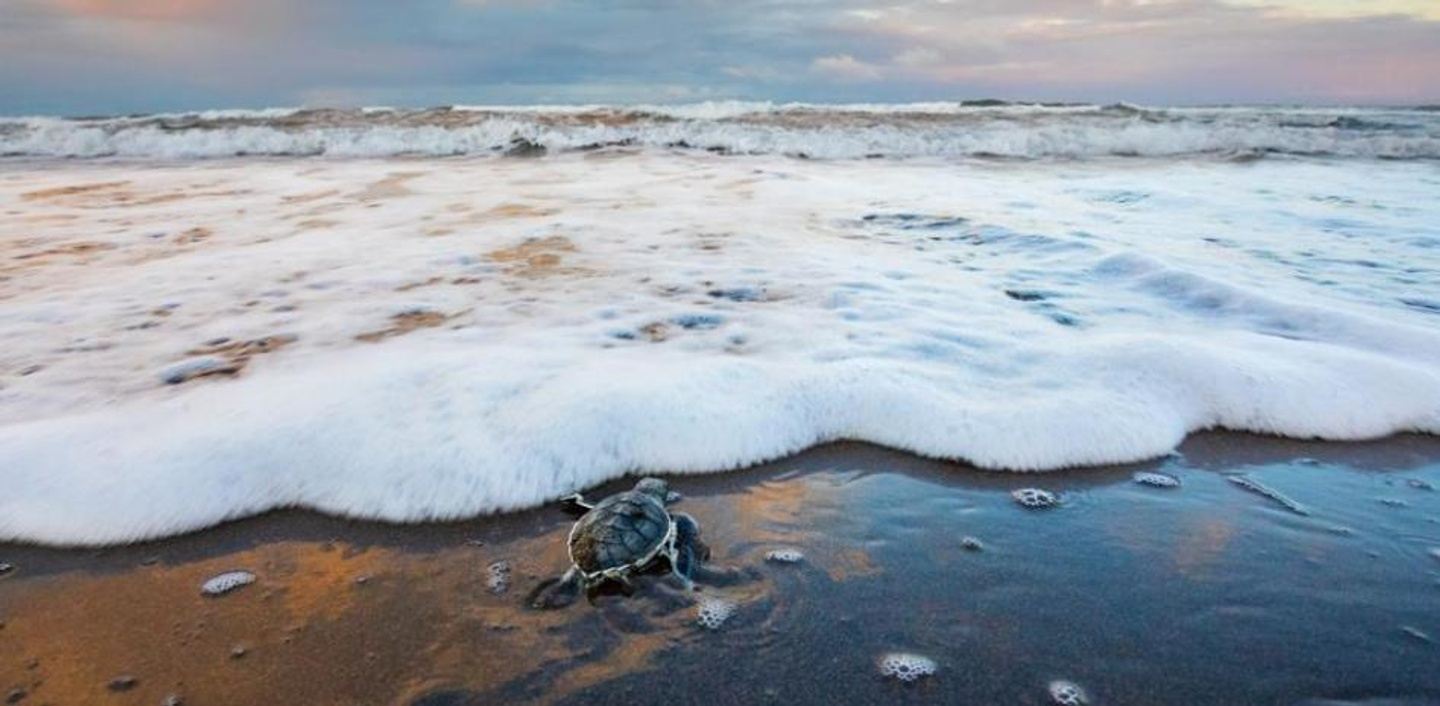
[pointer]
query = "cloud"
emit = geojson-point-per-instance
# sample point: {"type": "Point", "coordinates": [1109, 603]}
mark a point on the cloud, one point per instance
{"type": "Point", "coordinates": [139, 9]}
{"type": "Point", "coordinates": [1182, 51]}
{"type": "Point", "coordinates": [917, 57]}
{"type": "Point", "coordinates": [1425, 9]}
{"type": "Point", "coordinates": [845, 68]}
{"type": "Point", "coordinates": [89, 56]}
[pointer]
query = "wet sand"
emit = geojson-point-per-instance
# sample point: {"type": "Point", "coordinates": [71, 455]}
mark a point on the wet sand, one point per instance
{"type": "Point", "coordinates": [1203, 594]}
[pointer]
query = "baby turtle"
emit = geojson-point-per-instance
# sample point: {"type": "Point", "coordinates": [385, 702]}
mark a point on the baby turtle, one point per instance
{"type": "Point", "coordinates": [623, 535]}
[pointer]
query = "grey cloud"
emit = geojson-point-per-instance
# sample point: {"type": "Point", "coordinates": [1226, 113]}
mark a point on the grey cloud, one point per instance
{"type": "Point", "coordinates": [92, 56]}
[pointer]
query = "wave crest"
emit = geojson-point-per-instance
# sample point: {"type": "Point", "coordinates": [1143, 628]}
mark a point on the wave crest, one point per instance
{"type": "Point", "coordinates": [943, 130]}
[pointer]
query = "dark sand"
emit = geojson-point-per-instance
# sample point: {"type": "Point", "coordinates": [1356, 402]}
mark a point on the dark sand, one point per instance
{"type": "Point", "coordinates": [1204, 594]}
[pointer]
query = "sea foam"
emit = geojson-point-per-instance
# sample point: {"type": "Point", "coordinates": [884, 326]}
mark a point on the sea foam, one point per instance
{"type": "Point", "coordinates": [452, 344]}
{"type": "Point", "coordinates": [817, 131]}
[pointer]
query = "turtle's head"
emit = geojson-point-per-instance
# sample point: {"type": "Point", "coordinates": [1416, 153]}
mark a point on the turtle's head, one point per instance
{"type": "Point", "coordinates": [655, 487]}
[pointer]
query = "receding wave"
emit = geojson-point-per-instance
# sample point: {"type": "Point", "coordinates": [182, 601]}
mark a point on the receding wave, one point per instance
{"type": "Point", "coordinates": [943, 130]}
{"type": "Point", "coordinates": [441, 338]}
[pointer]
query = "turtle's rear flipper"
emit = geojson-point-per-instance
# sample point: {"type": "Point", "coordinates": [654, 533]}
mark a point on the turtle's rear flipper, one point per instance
{"type": "Point", "coordinates": [726, 576]}
{"type": "Point", "coordinates": [555, 593]}
{"type": "Point", "coordinates": [690, 550]}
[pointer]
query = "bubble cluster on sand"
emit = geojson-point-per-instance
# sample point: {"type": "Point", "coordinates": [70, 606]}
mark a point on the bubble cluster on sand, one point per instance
{"type": "Point", "coordinates": [712, 612]}
{"type": "Point", "coordinates": [226, 582]}
{"type": "Point", "coordinates": [1157, 480]}
{"type": "Point", "coordinates": [1259, 488]}
{"type": "Point", "coordinates": [785, 556]}
{"type": "Point", "coordinates": [906, 666]}
{"type": "Point", "coordinates": [1035, 498]}
{"type": "Point", "coordinates": [1066, 693]}
{"type": "Point", "coordinates": [498, 577]}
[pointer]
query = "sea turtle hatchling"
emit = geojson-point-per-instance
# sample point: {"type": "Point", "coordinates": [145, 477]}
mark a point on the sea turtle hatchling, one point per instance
{"type": "Point", "coordinates": [623, 535]}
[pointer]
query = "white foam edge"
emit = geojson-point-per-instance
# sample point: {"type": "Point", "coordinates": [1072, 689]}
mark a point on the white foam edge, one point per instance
{"type": "Point", "coordinates": [411, 433]}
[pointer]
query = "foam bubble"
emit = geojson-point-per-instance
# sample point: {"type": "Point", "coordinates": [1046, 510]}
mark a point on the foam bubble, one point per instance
{"type": "Point", "coordinates": [906, 666]}
{"type": "Point", "coordinates": [1266, 491]}
{"type": "Point", "coordinates": [712, 612]}
{"type": "Point", "coordinates": [1158, 480]}
{"type": "Point", "coordinates": [785, 556]}
{"type": "Point", "coordinates": [497, 577]}
{"type": "Point", "coordinates": [1035, 498]}
{"type": "Point", "coordinates": [972, 544]}
{"type": "Point", "coordinates": [1416, 633]}
{"type": "Point", "coordinates": [1066, 693]}
{"type": "Point", "coordinates": [226, 582]}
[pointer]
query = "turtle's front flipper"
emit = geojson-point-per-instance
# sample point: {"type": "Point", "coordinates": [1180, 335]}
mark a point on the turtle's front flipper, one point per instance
{"type": "Point", "coordinates": [556, 593]}
{"type": "Point", "coordinates": [682, 565]}
{"type": "Point", "coordinates": [575, 503]}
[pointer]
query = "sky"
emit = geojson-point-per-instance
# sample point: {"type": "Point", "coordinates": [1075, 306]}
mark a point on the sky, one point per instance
{"type": "Point", "coordinates": [102, 57]}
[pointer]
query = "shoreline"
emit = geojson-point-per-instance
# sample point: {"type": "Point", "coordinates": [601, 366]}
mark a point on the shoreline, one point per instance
{"type": "Point", "coordinates": [1214, 444]}
{"type": "Point", "coordinates": [347, 611]}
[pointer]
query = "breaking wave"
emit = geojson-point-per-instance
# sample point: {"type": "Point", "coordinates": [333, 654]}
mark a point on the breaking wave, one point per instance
{"type": "Point", "coordinates": [943, 130]}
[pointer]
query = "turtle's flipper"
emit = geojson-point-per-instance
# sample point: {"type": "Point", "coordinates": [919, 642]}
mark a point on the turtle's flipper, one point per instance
{"type": "Point", "coordinates": [684, 562]}
{"type": "Point", "coordinates": [556, 593]}
{"type": "Point", "coordinates": [689, 551]}
{"type": "Point", "coordinates": [682, 565]}
{"type": "Point", "coordinates": [576, 503]}
{"type": "Point", "coordinates": [724, 576]}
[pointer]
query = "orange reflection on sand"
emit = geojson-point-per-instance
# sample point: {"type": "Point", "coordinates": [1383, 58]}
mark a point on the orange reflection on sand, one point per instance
{"type": "Point", "coordinates": [340, 623]}
{"type": "Point", "coordinates": [309, 631]}
{"type": "Point", "coordinates": [771, 511]}
{"type": "Point", "coordinates": [1203, 545]}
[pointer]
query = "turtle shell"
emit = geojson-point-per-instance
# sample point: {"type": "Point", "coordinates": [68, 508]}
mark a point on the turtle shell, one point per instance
{"type": "Point", "coordinates": [624, 529]}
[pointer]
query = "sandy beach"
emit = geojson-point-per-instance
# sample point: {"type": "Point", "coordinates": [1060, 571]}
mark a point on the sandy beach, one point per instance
{"type": "Point", "coordinates": [745, 353]}
{"type": "Point", "coordinates": [1138, 594]}
{"type": "Point", "coordinates": [284, 427]}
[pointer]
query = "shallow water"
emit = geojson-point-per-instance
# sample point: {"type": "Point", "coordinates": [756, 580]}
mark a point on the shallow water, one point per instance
{"type": "Point", "coordinates": [421, 339]}
{"type": "Point", "coordinates": [1202, 594]}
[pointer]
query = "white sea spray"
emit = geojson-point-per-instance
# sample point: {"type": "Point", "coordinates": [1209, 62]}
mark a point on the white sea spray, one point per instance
{"type": "Point", "coordinates": [733, 127]}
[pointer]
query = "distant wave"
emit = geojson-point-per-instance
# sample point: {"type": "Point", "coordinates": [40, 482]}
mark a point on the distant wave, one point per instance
{"type": "Point", "coordinates": [848, 131]}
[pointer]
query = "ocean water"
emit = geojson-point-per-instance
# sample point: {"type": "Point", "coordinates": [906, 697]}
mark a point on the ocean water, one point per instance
{"type": "Point", "coordinates": [987, 129]}
{"type": "Point", "coordinates": [414, 315]}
